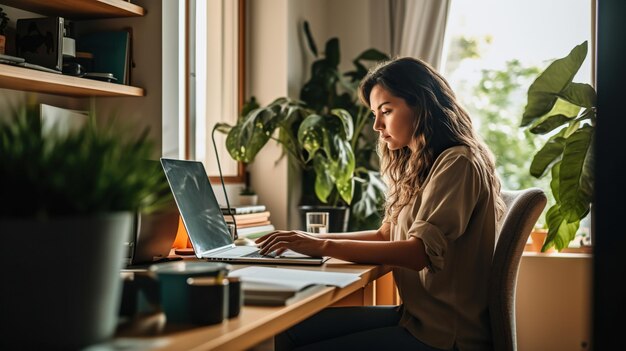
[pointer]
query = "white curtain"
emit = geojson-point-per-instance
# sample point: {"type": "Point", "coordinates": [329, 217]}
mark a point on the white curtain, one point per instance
{"type": "Point", "coordinates": [413, 28]}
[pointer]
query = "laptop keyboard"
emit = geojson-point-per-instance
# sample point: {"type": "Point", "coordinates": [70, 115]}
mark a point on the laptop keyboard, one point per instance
{"type": "Point", "coordinates": [257, 254]}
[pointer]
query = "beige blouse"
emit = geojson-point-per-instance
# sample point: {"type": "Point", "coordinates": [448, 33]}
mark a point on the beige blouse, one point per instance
{"type": "Point", "coordinates": [445, 304]}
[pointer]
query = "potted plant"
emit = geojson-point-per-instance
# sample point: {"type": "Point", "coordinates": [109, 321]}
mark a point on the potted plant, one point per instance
{"type": "Point", "coordinates": [4, 21]}
{"type": "Point", "coordinates": [327, 133]}
{"type": "Point", "coordinates": [566, 111]}
{"type": "Point", "coordinates": [67, 210]}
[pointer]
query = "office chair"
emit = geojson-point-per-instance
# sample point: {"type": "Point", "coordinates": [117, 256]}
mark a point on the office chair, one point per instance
{"type": "Point", "coordinates": [523, 208]}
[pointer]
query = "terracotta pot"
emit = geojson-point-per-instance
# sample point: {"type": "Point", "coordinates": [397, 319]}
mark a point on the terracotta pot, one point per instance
{"type": "Point", "coordinates": [538, 237]}
{"type": "Point", "coordinates": [3, 41]}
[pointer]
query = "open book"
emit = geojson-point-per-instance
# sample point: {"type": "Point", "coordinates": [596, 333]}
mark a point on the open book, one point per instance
{"type": "Point", "coordinates": [281, 286]}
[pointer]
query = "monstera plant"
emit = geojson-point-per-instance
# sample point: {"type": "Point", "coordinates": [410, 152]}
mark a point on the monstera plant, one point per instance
{"type": "Point", "coordinates": [327, 133]}
{"type": "Point", "coordinates": [566, 112]}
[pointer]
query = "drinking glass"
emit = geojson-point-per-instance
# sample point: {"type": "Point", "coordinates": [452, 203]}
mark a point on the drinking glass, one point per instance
{"type": "Point", "coordinates": [317, 222]}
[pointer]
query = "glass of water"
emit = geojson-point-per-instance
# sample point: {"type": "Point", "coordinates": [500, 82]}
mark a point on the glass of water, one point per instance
{"type": "Point", "coordinates": [317, 222]}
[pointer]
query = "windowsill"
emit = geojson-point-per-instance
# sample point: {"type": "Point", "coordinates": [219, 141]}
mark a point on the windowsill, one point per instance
{"type": "Point", "coordinates": [566, 253]}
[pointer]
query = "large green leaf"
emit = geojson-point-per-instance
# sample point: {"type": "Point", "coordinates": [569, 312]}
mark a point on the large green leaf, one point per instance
{"type": "Point", "coordinates": [223, 127]}
{"type": "Point", "coordinates": [560, 231]}
{"type": "Point", "coordinates": [543, 92]}
{"type": "Point", "coordinates": [345, 188]}
{"type": "Point", "coordinates": [343, 167]}
{"type": "Point", "coordinates": [371, 55]}
{"type": "Point", "coordinates": [254, 129]}
{"type": "Point", "coordinates": [335, 171]}
{"type": "Point", "coordinates": [247, 138]}
{"type": "Point", "coordinates": [324, 182]}
{"type": "Point", "coordinates": [309, 38]}
{"type": "Point", "coordinates": [548, 154]}
{"type": "Point", "coordinates": [319, 91]}
{"type": "Point", "coordinates": [346, 121]}
{"type": "Point", "coordinates": [554, 182]}
{"type": "Point", "coordinates": [332, 52]}
{"type": "Point", "coordinates": [575, 178]}
{"type": "Point", "coordinates": [345, 157]}
{"type": "Point", "coordinates": [311, 134]}
{"type": "Point", "coordinates": [580, 94]}
{"type": "Point", "coordinates": [561, 113]}
{"type": "Point", "coordinates": [587, 177]}
{"type": "Point", "coordinates": [373, 191]}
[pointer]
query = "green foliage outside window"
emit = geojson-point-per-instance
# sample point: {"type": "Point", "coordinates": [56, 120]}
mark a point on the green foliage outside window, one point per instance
{"type": "Point", "coordinates": [495, 103]}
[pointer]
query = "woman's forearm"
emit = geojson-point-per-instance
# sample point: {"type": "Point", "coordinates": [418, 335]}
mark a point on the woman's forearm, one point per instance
{"type": "Point", "coordinates": [380, 234]}
{"type": "Point", "coordinates": [366, 235]}
{"type": "Point", "coordinates": [408, 253]}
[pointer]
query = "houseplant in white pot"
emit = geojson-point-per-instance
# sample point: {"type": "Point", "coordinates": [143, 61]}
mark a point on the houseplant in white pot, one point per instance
{"type": "Point", "coordinates": [67, 208]}
{"type": "Point", "coordinates": [566, 112]}
{"type": "Point", "coordinates": [247, 195]}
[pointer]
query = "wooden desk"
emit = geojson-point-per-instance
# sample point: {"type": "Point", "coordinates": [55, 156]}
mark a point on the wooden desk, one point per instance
{"type": "Point", "coordinates": [256, 324]}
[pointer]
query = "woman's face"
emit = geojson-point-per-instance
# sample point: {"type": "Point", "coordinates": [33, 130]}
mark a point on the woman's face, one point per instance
{"type": "Point", "coordinates": [394, 119]}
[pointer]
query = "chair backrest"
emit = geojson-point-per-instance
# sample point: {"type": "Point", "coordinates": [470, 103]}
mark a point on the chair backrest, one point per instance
{"type": "Point", "coordinates": [523, 208]}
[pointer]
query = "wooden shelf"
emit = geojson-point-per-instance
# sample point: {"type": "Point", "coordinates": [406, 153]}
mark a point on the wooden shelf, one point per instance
{"type": "Point", "coordinates": [79, 9]}
{"type": "Point", "coordinates": [19, 78]}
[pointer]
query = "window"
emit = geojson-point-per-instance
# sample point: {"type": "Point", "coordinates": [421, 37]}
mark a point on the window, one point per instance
{"type": "Point", "coordinates": [492, 53]}
{"type": "Point", "coordinates": [215, 81]}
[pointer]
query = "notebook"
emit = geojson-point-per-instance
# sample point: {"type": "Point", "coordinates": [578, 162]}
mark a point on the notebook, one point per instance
{"type": "Point", "coordinates": [205, 224]}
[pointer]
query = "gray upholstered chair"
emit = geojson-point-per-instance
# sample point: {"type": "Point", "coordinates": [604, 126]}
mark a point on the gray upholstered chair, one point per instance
{"type": "Point", "coordinates": [523, 209]}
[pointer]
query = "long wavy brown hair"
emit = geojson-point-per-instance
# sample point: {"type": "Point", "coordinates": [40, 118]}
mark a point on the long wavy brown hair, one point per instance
{"type": "Point", "coordinates": [440, 122]}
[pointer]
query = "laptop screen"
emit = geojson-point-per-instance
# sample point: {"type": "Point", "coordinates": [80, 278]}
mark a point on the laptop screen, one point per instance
{"type": "Point", "coordinates": [197, 205]}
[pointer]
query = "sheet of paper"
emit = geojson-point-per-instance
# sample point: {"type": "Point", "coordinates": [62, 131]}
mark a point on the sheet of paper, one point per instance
{"type": "Point", "coordinates": [294, 277]}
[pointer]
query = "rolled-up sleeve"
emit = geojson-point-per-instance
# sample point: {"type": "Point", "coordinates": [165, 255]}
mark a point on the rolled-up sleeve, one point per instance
{"type": "Point", "coordinates": [447, 202]}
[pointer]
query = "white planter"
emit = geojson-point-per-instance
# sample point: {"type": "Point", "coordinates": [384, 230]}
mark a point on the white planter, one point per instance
{"type": "Point", "coordinates": [248, 200]}
{"type": "Point", "coordinates": [61, 281]}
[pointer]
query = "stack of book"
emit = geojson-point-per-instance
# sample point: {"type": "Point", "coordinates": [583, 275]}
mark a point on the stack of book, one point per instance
{"type": "Point", "coordinates": [252, 221]}
{"type": "Point", "coordinates": [268, 286]}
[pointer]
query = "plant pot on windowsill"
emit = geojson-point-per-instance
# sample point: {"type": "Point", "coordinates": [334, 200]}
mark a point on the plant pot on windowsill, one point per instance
{"type": "Point", "coordinates": [538, 238]}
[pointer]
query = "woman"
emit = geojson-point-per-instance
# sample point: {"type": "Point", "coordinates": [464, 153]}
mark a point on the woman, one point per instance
{"type": "Point", "coordinates": [441, 216]}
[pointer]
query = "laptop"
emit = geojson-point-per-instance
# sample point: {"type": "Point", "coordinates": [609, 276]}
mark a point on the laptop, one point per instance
{"type": "Point", "coordinates": [205, 224]}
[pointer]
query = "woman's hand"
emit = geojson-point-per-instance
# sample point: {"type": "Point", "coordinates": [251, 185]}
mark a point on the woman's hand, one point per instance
{"type": "Point", "coordinates": [296, 240]}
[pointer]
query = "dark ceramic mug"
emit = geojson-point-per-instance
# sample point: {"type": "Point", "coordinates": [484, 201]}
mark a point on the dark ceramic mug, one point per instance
{"type": "Point", "coordinates": [174, 289]}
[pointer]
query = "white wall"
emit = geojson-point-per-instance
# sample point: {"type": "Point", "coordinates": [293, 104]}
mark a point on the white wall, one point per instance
{"type": "Point", "coordinates": [267, 79]}
{"type": "Point", "coordinates": [147, 50]}
{"type": "Point", "coordinates": [279, 63]}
